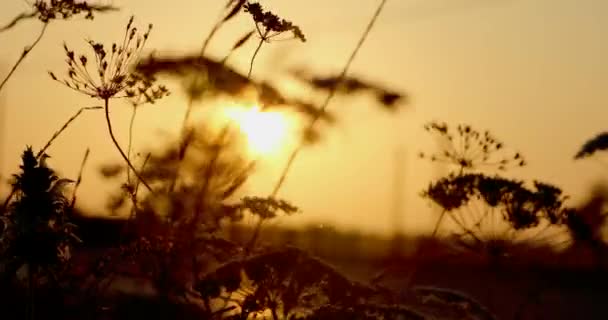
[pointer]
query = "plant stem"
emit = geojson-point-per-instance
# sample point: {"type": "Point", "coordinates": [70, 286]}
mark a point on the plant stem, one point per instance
{"type": "Point", "coordinates": [184, 143]}
{"type": "Point", "coordinates": [26, 51]}
{"type": "Point", "coordinates": [330, 96]}
{"type": "Point", "coordinates": [122, 153]}
{"type": "Point", "coordinates": [216, 27]}
{"type": "Point", "coordinates": [255, 53]}
{"type": "Point", "coordinates": [79, 179]}
{"type": "Point", "coordinates": [438, 223]}
{"type": "Point", "coordinates": [131, 123]}
{"type": "Point", "coordinates": [63, 128]}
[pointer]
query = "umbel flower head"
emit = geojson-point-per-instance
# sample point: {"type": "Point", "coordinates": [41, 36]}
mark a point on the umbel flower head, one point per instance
{"type": "Point", "coordinates": [470, 149]}
{"type": "Point", "coordinates": [114, 76]}
{"type": "Point", "coordinates": [269, 25]}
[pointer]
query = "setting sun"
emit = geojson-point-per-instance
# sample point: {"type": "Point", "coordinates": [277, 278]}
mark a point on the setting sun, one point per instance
{"type": "Point", "coordinates": [266, 131]}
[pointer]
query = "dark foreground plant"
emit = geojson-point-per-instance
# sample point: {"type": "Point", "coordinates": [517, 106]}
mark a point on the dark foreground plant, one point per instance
{"type": "Point", "coordinates": [290, 284]}
{"type": "Point", "coordinates": [175, 235]}
{"type": "Point", "coordinates": [173, 238]}
{"type": "Point", "coordinates": [37, 232]}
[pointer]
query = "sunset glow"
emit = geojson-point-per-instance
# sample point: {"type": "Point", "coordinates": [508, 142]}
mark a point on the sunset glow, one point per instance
{"type": "Point", "coordinates": [266, 131]}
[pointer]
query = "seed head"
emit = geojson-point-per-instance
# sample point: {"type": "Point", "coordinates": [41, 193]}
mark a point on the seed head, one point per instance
{"type": "Point", "coordinates": [470, 149]}
{"type": "Point", "coordinates": [114, 76]}
{"type": "Point", "coordinates": [269, 25]}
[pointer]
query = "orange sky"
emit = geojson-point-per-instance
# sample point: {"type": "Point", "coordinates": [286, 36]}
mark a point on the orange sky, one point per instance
{"type": "Point", "coordinates": [533, 72]}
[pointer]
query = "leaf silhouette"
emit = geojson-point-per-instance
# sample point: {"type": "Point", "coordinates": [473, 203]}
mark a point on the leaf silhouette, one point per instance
{"type": "Point", "coordinates": [597, 143]}
{"type": "Point", "coordinates": [242, 40]}
{"type": "Point", "coordinates": [224, 80]}
{"type": "Point", "coordinates": [387, 98]}
{"type": "Point", "coordinates": [235, 9]}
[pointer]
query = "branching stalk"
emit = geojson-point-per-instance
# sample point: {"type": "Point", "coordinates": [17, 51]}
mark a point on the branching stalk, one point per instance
{"type": "Point", "coordinates": [117, 145]}
{"type": "Point", "coordinates": [130, 145]}
{"type": "Point", "coordinates": [255, 53]}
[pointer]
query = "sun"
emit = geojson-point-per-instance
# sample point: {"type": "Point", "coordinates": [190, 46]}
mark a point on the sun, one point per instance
{"type": "Point", "coordinates": [266, 131]}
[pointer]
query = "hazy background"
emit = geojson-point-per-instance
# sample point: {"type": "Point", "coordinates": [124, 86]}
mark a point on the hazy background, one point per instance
{"type": "Point", "coordinates": [533, 72]}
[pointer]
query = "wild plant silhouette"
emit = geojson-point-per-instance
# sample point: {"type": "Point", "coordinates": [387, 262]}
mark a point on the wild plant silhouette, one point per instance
{"type": "Point", "coordinates": [37, 233]}
{"type": "Point", "coordinates": [171, 250]}
{"type": "Point", "coordinates": [488, 210]}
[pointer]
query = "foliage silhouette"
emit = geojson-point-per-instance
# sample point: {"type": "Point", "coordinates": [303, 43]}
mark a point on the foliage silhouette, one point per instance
{"type": "Point", "coordinates": [176, 232]}
{"type": "Point", "coordinates": [350, 85]}
{"type": "Point", "coordinates": [290, 284]}
{"type": "Point", "coordinates": [175, 236]}
{"type": "Point", "coordinates": [597, 143]}
{"type": "Point", "coordinates": [222, 80]}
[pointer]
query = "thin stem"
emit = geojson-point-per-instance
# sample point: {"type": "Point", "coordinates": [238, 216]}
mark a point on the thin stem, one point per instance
{"type": "Point", "coordinates": [122, 153]}
{"type": "Point", "coordinates": [313, 121]}
{"type": "Point", "coordinates": [255, 53]}
{"type": "Point", "coordinates": [26, 51]}
{"type": "Point", "coordinates": [438, 223]}
{"type": "Point", "coordinates": [184, 143]}
{"type": "Point", "coordinates": [79, 179]}
{"type": "Point", "coordinates": [275, 315]}
{"type": "Point", "coordinates": [216, 27]}
{"type": "Point", "coordinates": [133, 196]}
{"type": "Point", "coordinates": [131, 125]}
{"type": "Point", "coordinates": [330, 96]}
{"type": "Point", "coordinates": [63, 128]}
{"type": "Point", "coordinates": [200, 204]}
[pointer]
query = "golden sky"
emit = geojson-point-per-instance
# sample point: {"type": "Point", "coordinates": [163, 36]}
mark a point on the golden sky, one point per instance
{"type": "Point", "coordinates": [531, 71]}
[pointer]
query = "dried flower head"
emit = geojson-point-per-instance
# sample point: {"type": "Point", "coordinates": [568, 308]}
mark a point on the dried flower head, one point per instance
{"type": "Point", "coordinates": [267, 208]}
{"type": "Point", "coordinates": [499, 217]}
{"type": "Point", "coordinates": [470, 149]}
{"type": "Point", "coordinates": [46, 11]}
{"type": "Point", "coordinates": [114, 76]}
{"type": "Point", "coordinates": [65, 9]}
{"type": "Point", "coordinates": [269, 25]}
{"type": "Point", "coordinates": [520, 206]}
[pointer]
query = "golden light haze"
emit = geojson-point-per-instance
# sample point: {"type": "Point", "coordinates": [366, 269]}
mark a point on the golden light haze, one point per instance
{"type": "Point", "coordinates": [267, 132]}
{"type": "Point", "coordinates": [532, 72]}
